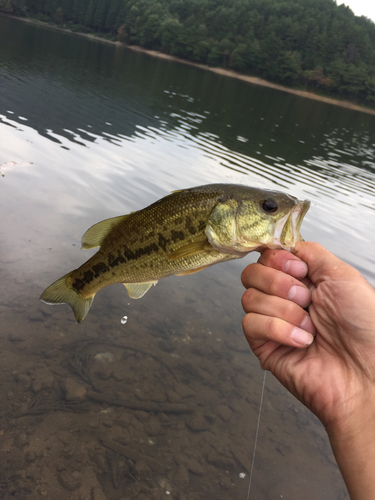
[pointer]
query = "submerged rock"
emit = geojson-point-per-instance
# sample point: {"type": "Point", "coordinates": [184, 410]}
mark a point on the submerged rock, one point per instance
{"type": "Point", "coordinates": [73, 390]}
{"type": "Point", "coordinates": [71, 481]}
{"type": "Point", "coordinates": [181, 476]}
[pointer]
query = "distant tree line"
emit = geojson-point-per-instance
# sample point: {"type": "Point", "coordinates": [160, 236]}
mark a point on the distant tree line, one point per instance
{"type": "Point", "coordinates": [305, 43]}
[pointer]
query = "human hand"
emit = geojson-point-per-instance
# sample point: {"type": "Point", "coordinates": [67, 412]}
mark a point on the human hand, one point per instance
{"type": "Point", "coordinates": [326, 356]}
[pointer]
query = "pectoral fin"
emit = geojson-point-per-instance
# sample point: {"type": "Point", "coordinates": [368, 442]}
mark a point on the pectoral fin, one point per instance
{"type": "Point", "coordinates": [137, 290]}
{"type": "Point", "coordinates": [191, 249]}
{"type": "Point", "coordinates": [94, 236]}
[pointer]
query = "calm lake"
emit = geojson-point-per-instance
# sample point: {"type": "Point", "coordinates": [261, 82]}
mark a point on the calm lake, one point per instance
{"type": "Point", "coordinates": [96, 130]}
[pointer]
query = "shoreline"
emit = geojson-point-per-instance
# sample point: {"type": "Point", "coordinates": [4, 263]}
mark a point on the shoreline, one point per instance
{"type": "Point", "coordinates": [254, 80]}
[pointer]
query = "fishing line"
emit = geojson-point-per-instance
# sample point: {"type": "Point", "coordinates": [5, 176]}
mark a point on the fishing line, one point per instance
{"type": "Point", "coordinates": [256, 434]}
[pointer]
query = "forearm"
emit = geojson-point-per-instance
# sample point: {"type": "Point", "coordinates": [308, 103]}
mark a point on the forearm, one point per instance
{"type": "Point", "coordinates": [353, 444]}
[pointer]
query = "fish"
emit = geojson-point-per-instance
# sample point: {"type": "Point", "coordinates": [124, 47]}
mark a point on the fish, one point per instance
{"type": "Point", "coordinates": [180, 234]}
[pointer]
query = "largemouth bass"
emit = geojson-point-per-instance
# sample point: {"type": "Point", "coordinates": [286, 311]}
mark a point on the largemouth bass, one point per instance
{"type": "Point", "coordinates": [180, 234]}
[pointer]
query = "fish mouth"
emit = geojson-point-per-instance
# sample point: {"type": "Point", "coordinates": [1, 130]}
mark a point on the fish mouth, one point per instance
{"type": "Point", "coordinates": [287, 228]}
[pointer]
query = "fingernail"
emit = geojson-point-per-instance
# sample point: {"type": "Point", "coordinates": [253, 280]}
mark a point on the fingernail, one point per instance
{"type": "Point", "coordinates": [295, 268]}
{"type": "Point", "coordinates": [301, 337]}
{"type": "Point", "coordinates": [299, 295]}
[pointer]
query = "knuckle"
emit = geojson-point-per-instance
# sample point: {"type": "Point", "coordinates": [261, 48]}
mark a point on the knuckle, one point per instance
{"type": "Point", "coordinates": [276, 282]}
{"type": "Point", "coordinates": [272, 327]}
{"type": "Point", "coordinates": [246, 323]}
{"type": "Point", "coordinates": [280, 284]}
{"type": "Point", "coordinates": [245, 275]}
{"type": "Point", "coordinates": [249, 273]}
{"type": "Point", "coordinates": [248, 297]}
{"type": "Point", "coordinates": [289, 309]}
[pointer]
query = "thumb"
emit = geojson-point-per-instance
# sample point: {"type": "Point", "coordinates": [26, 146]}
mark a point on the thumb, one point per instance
{"type": "Point", "coordinates": [323, 265]}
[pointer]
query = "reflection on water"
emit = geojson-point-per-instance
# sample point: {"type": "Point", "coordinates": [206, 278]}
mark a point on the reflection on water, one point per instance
{"type": "Point", "coordinates": [158, 397]}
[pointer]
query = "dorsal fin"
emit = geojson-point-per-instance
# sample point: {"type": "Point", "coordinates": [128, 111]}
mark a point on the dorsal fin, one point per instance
{"type": "Point", "coordinates": [94, 236]}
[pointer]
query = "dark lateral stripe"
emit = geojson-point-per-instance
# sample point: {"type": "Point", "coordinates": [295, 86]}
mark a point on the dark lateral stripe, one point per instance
{"type": "Point", "coordinates": [163, 242]}
{"type": "Point", "coordinates": [115, 261]}
{"type": "Point", "coordinates": [90, 275]}
{"type": "Point", "coordinates": [139, 252]}
{"type": "Point", "coordinates": [99, 269]}
{"type": "Point", "coordinates": [127, 255]}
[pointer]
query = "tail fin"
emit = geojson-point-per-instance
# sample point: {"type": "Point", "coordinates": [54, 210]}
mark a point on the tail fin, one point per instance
{"type": "Point", "coordinates": [60, 292]}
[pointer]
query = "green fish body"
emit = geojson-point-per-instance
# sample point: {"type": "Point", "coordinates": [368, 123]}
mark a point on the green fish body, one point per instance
{"type": "Point", "coordinates": [180, 234]}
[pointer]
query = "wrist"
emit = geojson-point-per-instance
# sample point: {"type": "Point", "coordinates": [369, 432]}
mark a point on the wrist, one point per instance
{"type": "Point", "coordinates": [352, 437]}
{"type": "Point", "coordinates": [355, 423]}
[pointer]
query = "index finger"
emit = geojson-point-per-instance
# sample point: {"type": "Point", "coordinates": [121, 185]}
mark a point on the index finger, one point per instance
{"type": "Point", "coordinates": [284, 261]}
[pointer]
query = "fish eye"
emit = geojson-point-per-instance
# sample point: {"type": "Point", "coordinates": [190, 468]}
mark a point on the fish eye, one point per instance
{"type": "Point", "coordinates": [269, 206]}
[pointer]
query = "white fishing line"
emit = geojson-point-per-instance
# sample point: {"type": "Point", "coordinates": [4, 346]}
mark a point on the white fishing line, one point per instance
{"type": "Point", "coordinates": [256, 435]}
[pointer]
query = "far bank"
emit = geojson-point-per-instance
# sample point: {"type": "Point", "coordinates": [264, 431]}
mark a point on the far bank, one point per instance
{"type": "Point", "coordinates": [218, 70]}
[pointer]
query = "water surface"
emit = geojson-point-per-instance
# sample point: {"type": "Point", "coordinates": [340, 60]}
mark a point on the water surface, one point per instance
{"type": "Point", "coordinates": [96, 131]}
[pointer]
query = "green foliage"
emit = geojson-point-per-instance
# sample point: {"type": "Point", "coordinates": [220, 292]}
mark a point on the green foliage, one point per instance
{"type": "Point", "coordinates": [79, 11]}
{"type": "Point", "coordinates": [100, 14]}
{"type": "Point", "coordinates": [287, 68]}
{"type": "Point", "coordinates": [89, 14]}
{"type": "Point", "coordinates": [16, 7]}
{"type": "Point", "coordinates": [113, 12]}
{"type": "Point", "coordinates": [59, 15]}
{"type": "Point", "coordinates": [213, 58]}
{"type": "Point", "coordinates": [148, 34]}
{"type": "Point", "coordinates": [312, 43]}
{"type": "Point", "coordinates": [6, 6]}
{"type": "Point", "coordinates": [170, 32]}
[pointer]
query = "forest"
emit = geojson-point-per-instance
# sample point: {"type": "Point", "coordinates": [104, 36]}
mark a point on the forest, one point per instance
{"type": "Point", "coordinates": [311, 44]}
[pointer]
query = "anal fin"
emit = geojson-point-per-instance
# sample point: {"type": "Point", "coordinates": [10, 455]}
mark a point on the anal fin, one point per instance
{"type": "Point", "coordinates": [137, 290]}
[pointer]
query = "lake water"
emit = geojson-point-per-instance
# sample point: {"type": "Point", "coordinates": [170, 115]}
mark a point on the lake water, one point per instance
{"type": "Point", "coordinates": [96, 130]}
